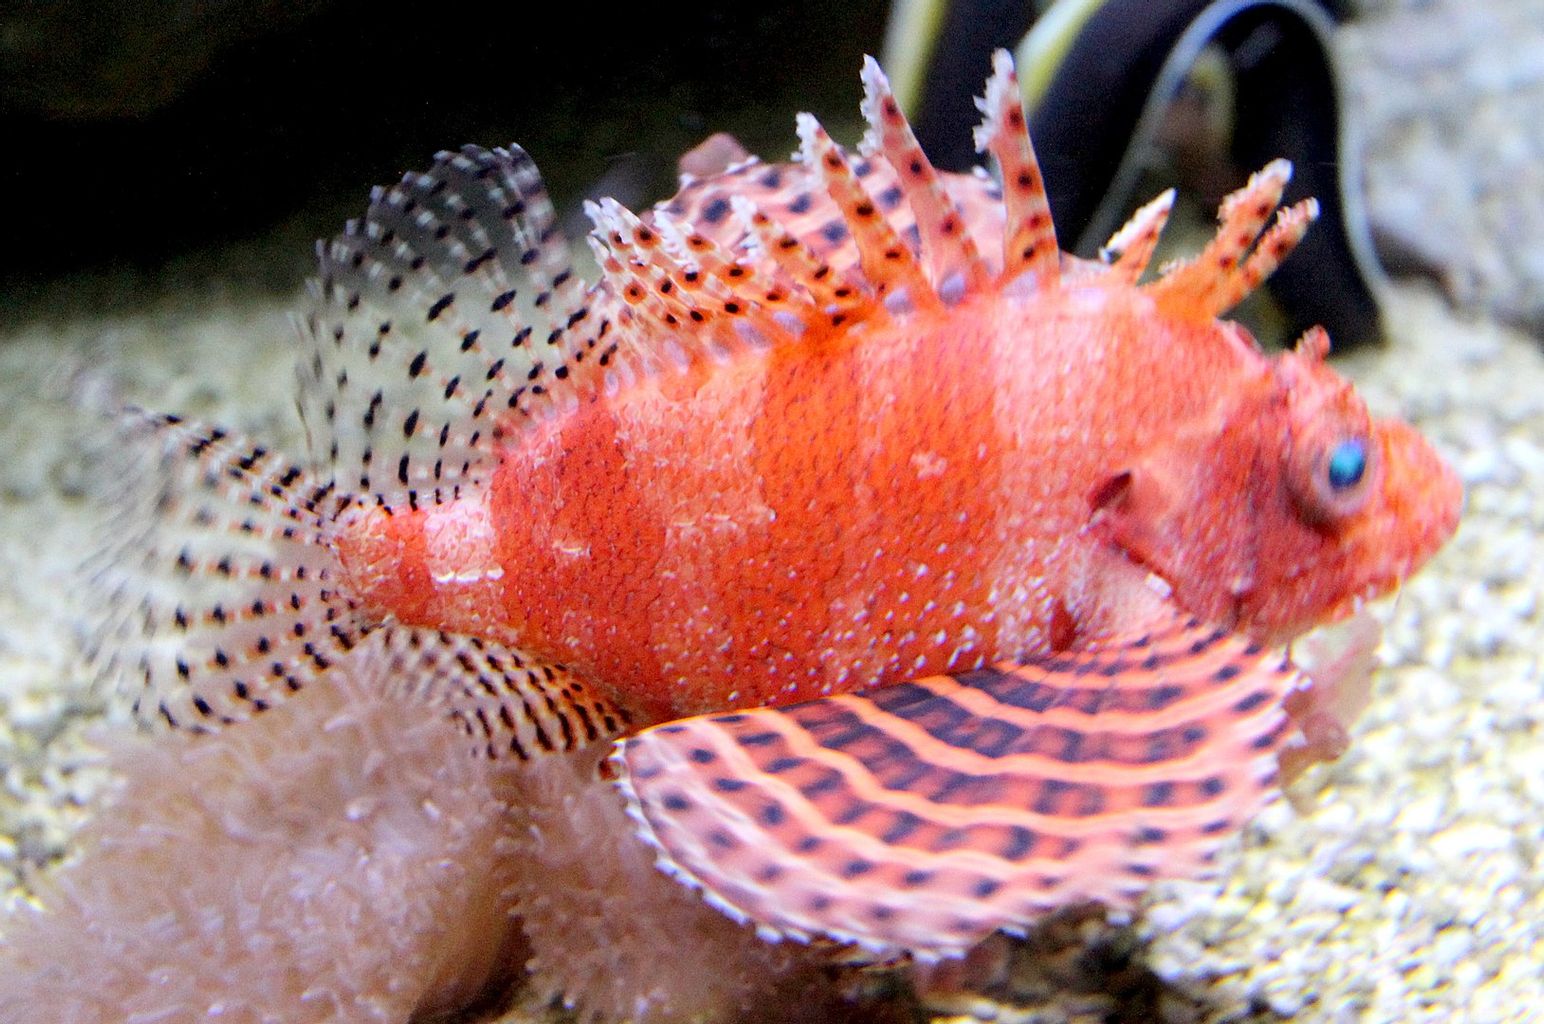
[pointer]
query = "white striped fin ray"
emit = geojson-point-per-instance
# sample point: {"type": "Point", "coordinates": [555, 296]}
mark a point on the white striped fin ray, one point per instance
{"type": "Point", "coordinates": [215, 594]}
{"type": "Point", "coordinates": [441, 318]}
{"type": "Point", "coordinates": [1029, 237]}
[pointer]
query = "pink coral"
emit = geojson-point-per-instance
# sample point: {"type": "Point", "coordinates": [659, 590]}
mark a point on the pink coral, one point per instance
{"type": "Point", "coordinates": [333, 860]}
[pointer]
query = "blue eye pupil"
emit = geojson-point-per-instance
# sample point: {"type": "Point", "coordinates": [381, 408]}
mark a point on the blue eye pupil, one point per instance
{"type": "Point", "coordinates": [1347, 464]}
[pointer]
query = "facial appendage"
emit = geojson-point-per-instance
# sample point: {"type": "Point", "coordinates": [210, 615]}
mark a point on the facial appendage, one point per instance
{"type": "Point", "coordinates": [1288, 505]}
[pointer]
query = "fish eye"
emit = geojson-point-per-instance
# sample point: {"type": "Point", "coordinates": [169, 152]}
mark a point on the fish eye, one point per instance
{"type": "Point", "coordinates": [1331, 474]}
{"type": "Point", "coordinates": [1347, 464]}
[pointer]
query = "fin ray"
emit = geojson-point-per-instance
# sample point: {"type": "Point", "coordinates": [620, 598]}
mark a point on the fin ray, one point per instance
{"type": "Point", "coordinates": [1029, 237]}
{"type": "Point", "coordinates": [887, 263]}
{"type": "Point", "coordinates": [507, 703]}
{"type": "Point", "coordinates": [1131, 249]}
{"type": "Point", "coordinates": [946, 243]}
{"type": "Point", "coordinates": [1239, 257]}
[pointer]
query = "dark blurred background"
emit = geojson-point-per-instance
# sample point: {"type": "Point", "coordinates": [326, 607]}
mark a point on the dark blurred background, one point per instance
{"type": "Point", "coordinates": [146, 135]}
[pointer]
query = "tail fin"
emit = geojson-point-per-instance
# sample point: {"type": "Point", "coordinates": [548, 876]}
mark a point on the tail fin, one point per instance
{"type": "Point", "coordinates": [216, 593]}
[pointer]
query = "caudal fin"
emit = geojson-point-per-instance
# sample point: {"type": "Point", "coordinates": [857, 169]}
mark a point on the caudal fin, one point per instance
{"type": "Point", "coordinates": [218, 594]}
{"type": "Point", "coordinates": [215, 593]}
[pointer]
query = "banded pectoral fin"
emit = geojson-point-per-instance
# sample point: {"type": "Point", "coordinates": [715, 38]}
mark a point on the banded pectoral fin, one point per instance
{"type": "Point", "coordinates": [920, 818]}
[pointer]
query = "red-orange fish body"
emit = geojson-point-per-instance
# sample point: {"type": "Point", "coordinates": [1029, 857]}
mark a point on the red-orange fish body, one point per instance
{"type": "Point", "coordinates": [921, 491]}
{"type": "Point", "coordinates": [954, 568]}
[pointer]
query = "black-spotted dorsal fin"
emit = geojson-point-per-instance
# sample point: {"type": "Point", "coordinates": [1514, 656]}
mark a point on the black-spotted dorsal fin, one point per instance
{"type": "Point", "coordinates": [441, 317]}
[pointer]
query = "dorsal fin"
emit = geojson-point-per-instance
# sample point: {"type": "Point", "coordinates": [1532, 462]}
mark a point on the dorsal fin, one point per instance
{"type": "Point", "coordinates": [1207, 286]}
{"type": "Point", "coordinates": [835, 293]}
{"type": "Point", "coordinates": [888, 264]}
{"type": "Point", "coordinates": [1130, 249]}
{"type": "Point", "coordinates": [946, 243]}
{"type": "Point", "coordinates": [685, 301]}
{"type": "Point", "coordinates": [451, 304]}
{"type": "Point", "coordinates": [1029, 237]}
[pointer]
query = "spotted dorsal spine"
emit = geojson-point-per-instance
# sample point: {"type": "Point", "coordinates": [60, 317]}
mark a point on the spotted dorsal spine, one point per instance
{"type": "Point", "coordinates": [947, 247]}
{"type": "Point", "coordinates": [1029, 237]}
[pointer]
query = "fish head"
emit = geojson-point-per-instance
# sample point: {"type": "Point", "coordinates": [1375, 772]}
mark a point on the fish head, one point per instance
{"type": "Point", "coordinates": [1289, 506]}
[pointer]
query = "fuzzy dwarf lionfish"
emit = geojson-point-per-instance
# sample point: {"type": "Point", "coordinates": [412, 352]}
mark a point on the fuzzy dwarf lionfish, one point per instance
{"type": "Point", "coordinates": [924, 578]}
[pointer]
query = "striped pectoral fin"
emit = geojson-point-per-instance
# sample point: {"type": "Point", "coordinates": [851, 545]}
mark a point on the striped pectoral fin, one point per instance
{"type": "Point", "coordinates": [921, 818]}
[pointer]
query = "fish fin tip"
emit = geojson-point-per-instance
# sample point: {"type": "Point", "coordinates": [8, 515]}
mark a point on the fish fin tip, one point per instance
{"type": "Point", "coordinates": [1243, 253]}
{"type": "Point", "coordinates": [1029, 236]}
{"type": "Point", "coordinates": [1131, 248]}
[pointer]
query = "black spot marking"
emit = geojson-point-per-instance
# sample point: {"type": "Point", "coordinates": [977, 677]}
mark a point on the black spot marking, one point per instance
{"type": "Point", "coordinates": [1249, 703]}
{"type": "Point", "coordinates": [441, 304]}
{"type": "Point", "coordinates": [856, 867]}
{"type": "Point", "coordinates": [716, 210]}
